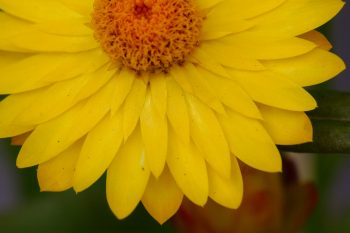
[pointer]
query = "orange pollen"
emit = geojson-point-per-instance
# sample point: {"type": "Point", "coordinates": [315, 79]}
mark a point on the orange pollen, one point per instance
{"type": "Point", "coordinates": [147, 35]}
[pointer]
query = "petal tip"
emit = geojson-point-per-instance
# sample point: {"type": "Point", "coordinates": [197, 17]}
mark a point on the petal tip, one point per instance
{"type": "Point", "coordinates": [22, 163]}
{"type": "Point", "coordinates": [77, 189]}
{"type": "Point", "coordinates": [161, 219]}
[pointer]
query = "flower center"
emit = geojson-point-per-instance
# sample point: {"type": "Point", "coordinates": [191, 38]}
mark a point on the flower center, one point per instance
{"type": "Point", "coordinates": [147, 35]}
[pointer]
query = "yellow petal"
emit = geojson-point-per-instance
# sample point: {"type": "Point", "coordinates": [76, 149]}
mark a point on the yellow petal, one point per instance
{"type": "Point", "coordinates": [188, 169]}
{"type": "Point", "coordinates": [9, 27]}
{"type": "Point", "coordinates": [133, 107]}
{"type": "Point", "coordinates": [227, 192]}
{"type": "Point", "coordinates": [127, 177]}
{"type": "Point", "coordinates": [10, 108]}
{"type": "Point", "coordinates": [286, 127]}
{"type": "Point", "coordinates": [100, 147]}
{"type": "Point", "coordinates": [178, 74]}
{"type": "Point", "coordinates": [220, 54]}
{"type": "Point", "coordinates": [201, 88]}
{"type": "Point", "coordinates": [54, 136]}
{"type": "Point", "coordinates": [231, 94]}
{"type": "Point", "coordinates": [309, 69]}
{"type": "Point", "coordinates": [8, 58]}
{"type": "Point", "coordinates": [162, 197]}
{"type": "Point", "coordinates": [21, 36]}
{"type": "Point", "coordinates": [25, 110]}
{"type": "Point", "coordinates": [84, 7]}
{"type": "Point", "coordinates": [291, 19]}
{"type": "Point", "coordinates": [62, 95]}
{"type": "Point", "coordinates": [28, 41]}
{"type": "Point", "coordinates": [247, 9]}
{"type": "Point", "coordinates": [274, 89]}
{"type": "Point", "coordinates": [207, 134]}
{"type": "Point", "coordinates": [65, 27]}
{"type": "Point", "coordinates": [205, 4]}
{"type": "Point", "coordinates": [318, 38]}
{"type": "Point", "coordinates": [123, 86]}
{"type": "Point", "coordinates": [177, 111]}
{"type": "Point", "coordinates": [285, 48]}
{"type": "Point", "coordinates": [208, 62]}
{"type": "Point", "coordinates": [250, 142]}
{"type": "Point", "coordinates": [159, 93]}
{"type": "Point", "coordinates": [154, 129]}
{"type": "Point", "coordinates": [26, 75]}
{"type": "Point", "coordinates": [217, 25]}
{"type": "Point", "coordinates": [38, 10]}
{"type": "Point", "coordinates": [57, 174]}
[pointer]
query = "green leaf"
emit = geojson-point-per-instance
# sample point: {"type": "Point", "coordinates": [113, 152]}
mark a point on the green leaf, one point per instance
{"type": "Point", "coordinates": [331, 123]}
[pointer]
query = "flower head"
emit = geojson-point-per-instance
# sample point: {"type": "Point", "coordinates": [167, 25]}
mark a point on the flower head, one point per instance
{"type": "Point", "coordinates": [147, 35]}
{"type": "Point", "coordinates": [166, 95]}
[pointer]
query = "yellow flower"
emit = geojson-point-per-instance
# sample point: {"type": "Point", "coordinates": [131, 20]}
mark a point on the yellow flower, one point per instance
{"type": "Point", "coordinates": [165, 95]}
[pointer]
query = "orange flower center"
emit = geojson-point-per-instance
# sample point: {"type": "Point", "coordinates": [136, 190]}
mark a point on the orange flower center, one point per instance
{"type": "Point", "coordinates": [147, 35]}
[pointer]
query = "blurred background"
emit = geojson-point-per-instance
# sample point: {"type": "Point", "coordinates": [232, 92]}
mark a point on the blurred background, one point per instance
{"type": "Point", "coordinates": [311, 196]}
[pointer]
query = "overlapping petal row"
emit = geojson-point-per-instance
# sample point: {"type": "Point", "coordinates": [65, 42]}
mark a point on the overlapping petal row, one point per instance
{"type": "Point", "coordinates": [167, 135]}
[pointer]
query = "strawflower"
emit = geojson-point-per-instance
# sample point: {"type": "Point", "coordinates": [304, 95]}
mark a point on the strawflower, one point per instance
{"type": "Point", "coordinates": [164, 95]}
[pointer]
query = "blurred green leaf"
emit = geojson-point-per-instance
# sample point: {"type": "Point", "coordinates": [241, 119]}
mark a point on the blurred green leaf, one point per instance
{"type": "Point", "coordinates": [69, 212]}
{"type": "Point", "coordinates": [331, 123]}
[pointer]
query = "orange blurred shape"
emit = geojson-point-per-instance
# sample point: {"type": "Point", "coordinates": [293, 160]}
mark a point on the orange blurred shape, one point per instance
{"type": "Point", "coordinates": [272, 203]}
